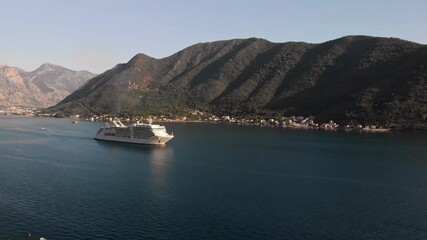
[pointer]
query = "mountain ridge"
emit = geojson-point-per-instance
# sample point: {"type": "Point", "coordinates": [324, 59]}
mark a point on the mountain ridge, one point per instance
{"type": "Point", "coordinates": [349, 79]}
{"type": "Point", "coordinates": [42, 87]}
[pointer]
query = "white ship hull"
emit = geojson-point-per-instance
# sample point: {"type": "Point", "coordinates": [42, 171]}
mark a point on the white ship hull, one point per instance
{"type": "Point", "coordinates": [138, 133]}
{"type": "Point", "coordinates": [150, 141]}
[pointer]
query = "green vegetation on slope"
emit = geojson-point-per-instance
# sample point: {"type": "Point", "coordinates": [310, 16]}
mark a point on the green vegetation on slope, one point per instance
{"type": "Point", "coordinates": [360, 79]}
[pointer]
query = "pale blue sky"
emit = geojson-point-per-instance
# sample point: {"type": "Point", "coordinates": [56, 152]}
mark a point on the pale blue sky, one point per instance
{"type": "Point", "coordinates": [95, 35]}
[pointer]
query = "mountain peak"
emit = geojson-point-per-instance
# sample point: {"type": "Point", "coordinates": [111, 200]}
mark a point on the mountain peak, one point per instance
{"type": "Point", "coordinates": [140, 58]}
{"type": "Point", "coordinates": [42, 87]}
{"type": "Point", "coordinates": [45, 67]}
{"type": "Point", "coordinates": [363, 79]}
{"type": "Point", "coordinates": [49, 66]}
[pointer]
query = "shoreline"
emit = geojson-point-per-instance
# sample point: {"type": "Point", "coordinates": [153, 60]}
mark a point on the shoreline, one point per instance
{"type": "Point", "coordinates": [366, 130]}
{"type": "Point", "coordinates": [331, 126]}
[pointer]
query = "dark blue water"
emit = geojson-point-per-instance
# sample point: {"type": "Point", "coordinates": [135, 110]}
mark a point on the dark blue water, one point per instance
{"type": "Point", "coordinates": [210, 182]}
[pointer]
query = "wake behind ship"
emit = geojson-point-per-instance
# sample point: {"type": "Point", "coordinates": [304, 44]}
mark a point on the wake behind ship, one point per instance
{"type": "Point", "coordinates": [139, 133]}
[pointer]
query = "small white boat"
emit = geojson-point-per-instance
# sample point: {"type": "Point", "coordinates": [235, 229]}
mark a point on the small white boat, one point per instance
{"type": "Point", "coordinates": [139, 133]}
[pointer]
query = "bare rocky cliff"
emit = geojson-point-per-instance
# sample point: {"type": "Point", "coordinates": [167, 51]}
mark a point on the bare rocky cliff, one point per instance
{"type": "Point", "coordinates": [43, 87]}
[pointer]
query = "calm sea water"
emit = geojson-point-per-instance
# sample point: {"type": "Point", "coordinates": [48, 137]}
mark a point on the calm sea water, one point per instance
{"type": "Point", "coordinates": [210, 182]}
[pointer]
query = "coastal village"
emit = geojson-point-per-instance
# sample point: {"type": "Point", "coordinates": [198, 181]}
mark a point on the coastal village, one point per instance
{"type": "Point", "coordinates": [292, 122]}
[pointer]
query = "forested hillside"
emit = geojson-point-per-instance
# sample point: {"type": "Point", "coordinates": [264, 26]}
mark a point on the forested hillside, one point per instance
{"type": "Point", "coordinates": [360, 79]}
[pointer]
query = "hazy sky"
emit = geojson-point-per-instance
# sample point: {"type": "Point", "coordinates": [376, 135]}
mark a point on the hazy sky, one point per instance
{"type": "Point", "coordinates": [95, 35]}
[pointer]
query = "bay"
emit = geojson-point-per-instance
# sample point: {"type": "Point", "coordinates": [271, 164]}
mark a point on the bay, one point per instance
{"type": "Point", "coordinates": [212, 181]}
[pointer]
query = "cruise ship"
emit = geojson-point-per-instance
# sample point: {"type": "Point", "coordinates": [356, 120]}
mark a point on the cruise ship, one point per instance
{"type": "Point", "coordinates": [139, 133]}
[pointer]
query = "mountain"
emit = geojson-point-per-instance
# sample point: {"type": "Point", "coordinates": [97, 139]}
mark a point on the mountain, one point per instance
{"type": "Point", "coordinates": [43, 87]}
{"type": "Point", "coordinates": [363, 79]}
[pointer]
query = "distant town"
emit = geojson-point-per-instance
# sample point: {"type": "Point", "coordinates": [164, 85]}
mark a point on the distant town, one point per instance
{"type": "Point", "coordinates": [291, 122]}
